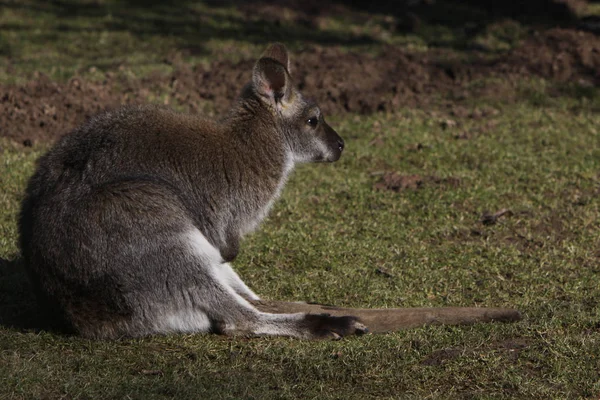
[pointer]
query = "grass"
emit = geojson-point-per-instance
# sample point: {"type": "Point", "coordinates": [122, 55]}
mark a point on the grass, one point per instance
{"type": "Point", "coordinates": [326, 240]}
{"type": "Point", "coordinates": [70, 37]}
{"type": "Point", "coordinates": [334, 238]}
{"type": "Point", "coordinates": [133, 38]}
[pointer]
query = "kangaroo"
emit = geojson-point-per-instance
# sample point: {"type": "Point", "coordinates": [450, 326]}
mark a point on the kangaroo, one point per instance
{"type": "Point", "coordinates": [130, 222]}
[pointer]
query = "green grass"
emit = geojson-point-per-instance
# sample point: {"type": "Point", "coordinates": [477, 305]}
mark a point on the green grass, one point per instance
{"type": "Point", "coordinates": [91, 37]}
{"type": "Point", "coordinates": [70, 37]}
{"type": "Point", "coordinates": [325, 241]}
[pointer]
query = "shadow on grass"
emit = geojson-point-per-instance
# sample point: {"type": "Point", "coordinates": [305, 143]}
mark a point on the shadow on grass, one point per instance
{"type": "Point", "coordinates": [457, 12]}
{"type": "Point", "coordinates": [191, 24]}
{"type": "Point", "coordinates": [292, 21]}
{"type": "Point", "coordinates": [18, 306]}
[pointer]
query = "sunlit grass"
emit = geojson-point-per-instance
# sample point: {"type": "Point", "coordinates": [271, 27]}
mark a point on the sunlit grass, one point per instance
{"type": "Point", "coordinates": [327, 241]}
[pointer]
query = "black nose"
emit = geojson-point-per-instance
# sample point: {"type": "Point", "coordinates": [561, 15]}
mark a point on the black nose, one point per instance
{"type": "Point", "coordinates": [341, 144]}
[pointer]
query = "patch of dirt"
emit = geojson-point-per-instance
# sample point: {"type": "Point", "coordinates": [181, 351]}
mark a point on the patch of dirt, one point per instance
{"type": "Point", "coordinates": [44, 110]}
{"type": "Point", "coordinates": [489, 218]}
{"type": "Point", "coordinates": [341, 82]}
{"type": "Point", "coordinates": [397, 183]}
{"type": "Point", "coordinates": [440, 357]}
{"type": "Point", "coordinates": [509, 348]}
{"type": "Point", "coordinates": [560, 54]}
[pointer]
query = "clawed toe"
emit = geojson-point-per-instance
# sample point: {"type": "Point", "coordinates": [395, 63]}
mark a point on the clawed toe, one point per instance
{"type": "Point", "coordinates": [324, 326]}
{"type": "Point", "coordinates": [360, 328]}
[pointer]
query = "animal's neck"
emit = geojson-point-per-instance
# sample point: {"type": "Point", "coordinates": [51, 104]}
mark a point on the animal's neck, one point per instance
{"type": "Point", "coordinates": [257, 130]}
{"type": "Point", "coordinates": [264, 161]}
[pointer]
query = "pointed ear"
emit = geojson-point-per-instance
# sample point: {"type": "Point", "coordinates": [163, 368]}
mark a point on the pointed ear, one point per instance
{"type": "Point", "coordinates": [278, 52]}
{"type": "Point", "coordinates": [271, 80]}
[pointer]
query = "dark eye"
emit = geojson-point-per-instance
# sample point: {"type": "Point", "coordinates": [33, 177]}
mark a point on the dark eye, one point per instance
{"type": "Point", "coordinates": [313, 121]}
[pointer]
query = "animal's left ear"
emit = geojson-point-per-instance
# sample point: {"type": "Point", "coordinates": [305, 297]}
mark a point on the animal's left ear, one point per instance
{"type": "Point", "coordinates": [278, 52]}
{"type": "Point", "coordinates": [271, 79]}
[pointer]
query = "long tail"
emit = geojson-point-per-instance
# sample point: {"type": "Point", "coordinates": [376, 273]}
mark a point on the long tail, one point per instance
{"type": "Point", "coordinates": [382, 320]}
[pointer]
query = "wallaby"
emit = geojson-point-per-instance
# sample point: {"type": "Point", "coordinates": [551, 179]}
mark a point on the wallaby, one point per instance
{"type": "Point", "coordinates": [130, 221]}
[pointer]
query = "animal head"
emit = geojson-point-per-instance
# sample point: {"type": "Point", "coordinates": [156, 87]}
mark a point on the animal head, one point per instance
{"type": "Point", "coordinates": [308, 137]}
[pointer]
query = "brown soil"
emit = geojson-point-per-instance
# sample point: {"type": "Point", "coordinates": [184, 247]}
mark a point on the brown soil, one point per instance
{"type": "Point", "coordinates": [341, 82]}
{"type": "Point", "coordinates": [397, 183]}
{"type": "Point", "coordinates": [510, 349]}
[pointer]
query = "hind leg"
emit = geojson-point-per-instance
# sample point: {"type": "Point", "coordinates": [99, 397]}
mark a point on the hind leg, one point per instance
{"type": "Point", "coordinates": [231, 278]}
{"type": "Point", "coordinates": [217, 302]}
{"type": "Point", "coordinates": [227, 312]}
